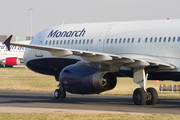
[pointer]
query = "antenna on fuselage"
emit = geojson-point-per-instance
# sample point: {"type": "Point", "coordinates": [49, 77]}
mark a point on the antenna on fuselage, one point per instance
{"type": "Point", "coordinates": [62, 22]}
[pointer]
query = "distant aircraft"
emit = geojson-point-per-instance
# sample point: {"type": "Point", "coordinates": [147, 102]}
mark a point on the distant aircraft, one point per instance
{"type": "Point", "coordinates": [13, 57]}
{"type": "Point", "coordinates": [87, 58]}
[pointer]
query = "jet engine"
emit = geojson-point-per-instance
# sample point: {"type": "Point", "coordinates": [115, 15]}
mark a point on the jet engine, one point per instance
{"type": "Point", "coordinates": [12, 61]}
{"type": "Point", "coordinates": [81, 79]}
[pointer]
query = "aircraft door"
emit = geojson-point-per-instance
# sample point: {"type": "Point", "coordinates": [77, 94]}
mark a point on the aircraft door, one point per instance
{"type": "Point", "coordinates": [101, 40]}
{"type": "Point", "coordinates": [39, 52]}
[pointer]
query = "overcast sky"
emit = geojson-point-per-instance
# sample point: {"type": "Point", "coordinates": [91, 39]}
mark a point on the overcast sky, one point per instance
{"type": "Point", "coordinates": [15, 16]}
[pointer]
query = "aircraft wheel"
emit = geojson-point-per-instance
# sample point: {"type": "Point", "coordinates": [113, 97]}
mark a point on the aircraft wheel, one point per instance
{"type": "Point", "coordinates": [57, 93]}
{"type": "Point", "coordinates": [1, 65]}
{"type": "Point", "coordinates": [8, 66]}
{"type": "Point", "coordinates": [139, 96]}
{"type": "Point", "coordinates": [63, 94]}
{"type": "Point", "coordinates": [152, 96]}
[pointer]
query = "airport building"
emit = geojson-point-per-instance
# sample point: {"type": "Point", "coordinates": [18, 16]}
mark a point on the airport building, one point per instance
{"type": "Point", "coordinates": [14, 38]}
{"type": "Point", "coordinates": [29, 37]}
{"type": "Point", "coordinates": [4, 37]}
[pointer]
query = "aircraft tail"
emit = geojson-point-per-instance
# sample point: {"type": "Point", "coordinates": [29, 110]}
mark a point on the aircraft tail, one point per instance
{"type": "Point", "coordinates": [7, 42]}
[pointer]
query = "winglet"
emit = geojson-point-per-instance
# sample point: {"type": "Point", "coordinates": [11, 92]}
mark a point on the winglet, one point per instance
{"type": "Point", "coordinates": [7, 42]}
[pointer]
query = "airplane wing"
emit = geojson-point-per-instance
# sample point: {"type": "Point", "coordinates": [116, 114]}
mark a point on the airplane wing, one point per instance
{"type": "Point", "coordinates": [129, 61]}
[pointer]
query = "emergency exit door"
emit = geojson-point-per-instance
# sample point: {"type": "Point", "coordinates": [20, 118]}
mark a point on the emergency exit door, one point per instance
{"type": "Point", "coordinates": [101, 40]}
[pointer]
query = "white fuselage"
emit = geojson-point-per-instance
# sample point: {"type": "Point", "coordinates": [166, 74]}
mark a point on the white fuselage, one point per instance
{"type": "Point", "coordinates": [154, 39]}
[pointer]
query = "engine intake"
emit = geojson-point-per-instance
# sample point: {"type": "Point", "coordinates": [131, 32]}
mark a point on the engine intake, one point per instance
{"type": "Point", "coordinates": [86, 80]}
{"type": "Point", "coordinates": [104, 81]}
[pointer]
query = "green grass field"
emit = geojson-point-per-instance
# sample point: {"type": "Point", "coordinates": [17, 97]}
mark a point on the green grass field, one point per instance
{"type": "Point", "coordinates": [25, 79]}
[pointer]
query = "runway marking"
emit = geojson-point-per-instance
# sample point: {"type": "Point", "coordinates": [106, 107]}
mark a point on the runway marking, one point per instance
{"type": "Point", "coordinates": [49, 110]}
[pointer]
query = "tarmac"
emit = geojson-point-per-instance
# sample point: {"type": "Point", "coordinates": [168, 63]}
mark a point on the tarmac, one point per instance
{"type": "Point", "coordinates": [12, 101]}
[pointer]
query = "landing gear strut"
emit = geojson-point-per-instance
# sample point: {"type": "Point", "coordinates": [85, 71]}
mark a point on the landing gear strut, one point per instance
{"type": "Point", "coordinates": [60, 93]}
{"type": "Point", "coordinates": [141, 96]}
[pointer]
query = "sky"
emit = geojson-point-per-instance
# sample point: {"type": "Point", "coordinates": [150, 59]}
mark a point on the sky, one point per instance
{"type": "Point", "coordinates": [15, 16]}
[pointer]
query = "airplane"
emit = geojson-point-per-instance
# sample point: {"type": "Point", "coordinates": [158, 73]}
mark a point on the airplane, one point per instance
{"type": "Point", "coordinates": [13, 57]}
{"type": "Point", "coordinates": [87, 58]}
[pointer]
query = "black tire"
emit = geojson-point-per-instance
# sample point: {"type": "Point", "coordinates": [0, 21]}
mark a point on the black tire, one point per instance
{"type": "Point", "coordinates": [57, 93]}
{"type": "Point", "coordinates": [139, 96]}
{"type": "Point", "coordinates": [1, 65]}
{"type": "Point", "coordinates": [152, 96]}
{"type": "Point", "coordinates": [63, 95]}
{"type": "Point", "coordinates": [8, 66]}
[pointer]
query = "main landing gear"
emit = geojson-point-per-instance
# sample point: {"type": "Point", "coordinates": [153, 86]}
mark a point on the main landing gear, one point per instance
{"type": "Point", "coordinates": [142, 96]}
{"type": "Point", "coordinates": [60, 93]}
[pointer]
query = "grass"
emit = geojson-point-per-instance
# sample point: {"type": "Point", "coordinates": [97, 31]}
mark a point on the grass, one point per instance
{"type": "Point", "coordinates": [73, 116]}
{"type": "Point", "coordinates": [25, 79]}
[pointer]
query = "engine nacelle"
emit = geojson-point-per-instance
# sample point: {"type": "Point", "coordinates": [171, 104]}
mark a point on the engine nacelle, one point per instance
{"type": "Point", "coordinates": [86, 80]}
{"type": "Point", "coordinates": [12, 61]}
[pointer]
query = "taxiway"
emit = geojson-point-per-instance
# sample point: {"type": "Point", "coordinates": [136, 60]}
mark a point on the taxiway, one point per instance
{"type": "Point", "coordinates": [11, 99]}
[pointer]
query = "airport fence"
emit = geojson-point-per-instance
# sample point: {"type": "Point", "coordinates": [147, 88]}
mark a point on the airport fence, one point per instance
{"type": "Point", "coordinates": [168, 87]}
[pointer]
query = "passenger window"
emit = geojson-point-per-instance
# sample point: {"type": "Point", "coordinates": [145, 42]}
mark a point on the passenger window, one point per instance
{"type": "Point", "coordinates": [128, 40]}
{"type": "Point", "coordinates": [111, 41]}
{"type": "Point", "coordinates": [174, 38]}
{"type": "Point", "coordinates": [61, 42]}
{"type": "Point", "coordinates": [124, 40]}
{"type": "Point", "coordinates": [116, 40]}
{"type": "Point", "coordinates": [91, 41]}
{"type": "Point", "coordinates": [83, 41]}
{"type": "Point", "coordinates": [57, 42]}
{"type": "Point", "coordinates": [151, 39]}
{"type": "Point", "coordinates": [139, 40]}
{"type": "Point", "coordinates": [120, 40]}
{"type": "Point", "coordinates": [72, 41]}
{"type": "Point", "coordinates": [68, 42]}
{"type": "Point", "coordinates": [155, 39]}
{"type": "Point", "coordinates": [79, 41]}
{"type": "Point", "coordinates": [76, 42]}
{"type": "Point", "coordinates": [64, 41]}
{"type": "Point", "coordinates": [178, 39]}
{"type": "Point", "coordinates": [50, 42]}
{"type": "Point", "coordinates": [169, 39]}
{"type": "Point", "coordinates": [146, 39]}
{"type": "Point", "coordinates": [164, 39]}
{"type": "Point", "coordinates": [132, 40]}
{"type": "Point", "coordinates": [53, 42]}
{"type": "Point", "coordinates": [46, 42]}
{"type": "Point", "coordinates": [107, 41]}
{"type": "Point", "coordinates": [88, 41]}
{"type": "Point", "coordinates": [160, 39]}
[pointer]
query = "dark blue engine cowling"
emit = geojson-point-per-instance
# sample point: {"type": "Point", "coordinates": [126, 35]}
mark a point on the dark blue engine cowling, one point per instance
{"type": "Point", "coordinates": [81, 79]}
